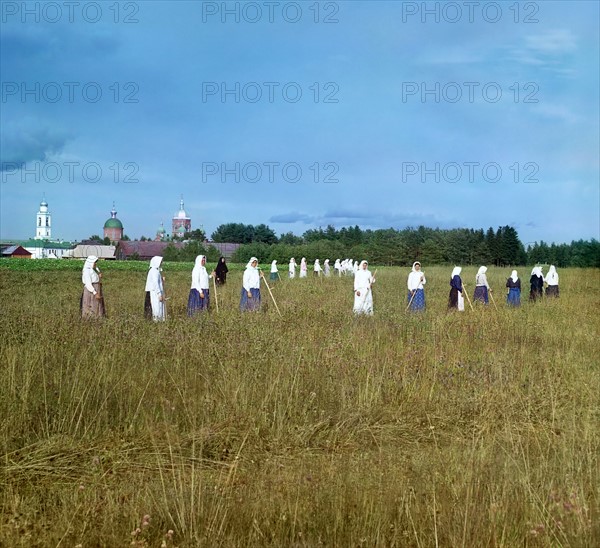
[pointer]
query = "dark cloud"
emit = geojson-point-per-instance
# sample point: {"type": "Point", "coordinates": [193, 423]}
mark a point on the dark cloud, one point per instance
{"type": "Point", "coordinates": [21, 144]}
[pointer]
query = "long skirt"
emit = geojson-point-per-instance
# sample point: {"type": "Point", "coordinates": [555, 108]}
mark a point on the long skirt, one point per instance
{"type": "Point", "coordinates": [303, 273]}
{"type": "Point", "coordinates": [364, 303]}
{"type": "Point", "coordinates": [250, 304]}
{"type": "Point", "coordinates": [514, 297]}
{"type": "Point", "coordinates": [154, 309]}
{"type": "Point", "coordinates": [535, 294]}
{"type": "Point", "coordinates": [291, 274]}
{"type": "Point", "coordinates": [552, 291]}
{"type": "Point", "coordinates": [273, 276]}
{"type": "Point", "coordinates": [456, 300]}
{"type": "Point", "coordinates": [197, 303]}
{"type": "Point", "coordinates": [418, 301]}
{"type": "Point", "coordinates": [481, 294]}
{"type": "Point", "coordinates": [91, 307]}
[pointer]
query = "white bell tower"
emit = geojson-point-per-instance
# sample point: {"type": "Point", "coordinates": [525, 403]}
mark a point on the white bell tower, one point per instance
{"type": "Point", "coordinates": [43, 225]}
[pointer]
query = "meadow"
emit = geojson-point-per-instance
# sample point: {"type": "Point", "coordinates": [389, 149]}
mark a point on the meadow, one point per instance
{"type": "Point", "coordinates": [453, 429]}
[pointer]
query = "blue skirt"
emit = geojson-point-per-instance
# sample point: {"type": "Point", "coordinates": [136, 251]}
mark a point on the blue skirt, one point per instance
{"type": "Point", "coordinates": [195, 303]}
{"type": "Point", "coordinates": [252, 304]}
{"type": "Point", "coordinates": [418, 302]}
{"type": "Point", "coordinates": [514, 297]}
{"type": "Point", "coordinates": [273, 276]}
{"type": "Point", "coordinates": [481, 294]}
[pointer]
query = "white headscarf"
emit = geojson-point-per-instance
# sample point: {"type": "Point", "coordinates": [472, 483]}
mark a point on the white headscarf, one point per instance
{"type": "Point", "coordinates": [456, 272]}
{"type": "Point", "coordinates": [89, 274]}
{"type": "Point", "coordinates": [362, 278]}
{"type": "Point", "coordinates": [155, 262]}
{"type": "Point", "coordinates": [200, 275]}
{"type": "Point", "coordinates": [154, 279]}
{"type": "Point", "coordinates": [249, 265]}
{"type": "Point", "coordinates": [537, 271]}
{"type": "Point", "coordinates": [90, 261]}
{"type": "Point", "coordinates": [552, 276]}
{"type": "Point", "coordinates": [482, 270]}
{"type": "Point", "coordinates": [514, 276]}
{"type": "Point", "coordinates": [414, 278]}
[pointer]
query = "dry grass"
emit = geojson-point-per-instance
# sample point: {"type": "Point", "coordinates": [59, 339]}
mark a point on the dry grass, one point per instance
{"type": "Point", "coordinates": [442, 429]}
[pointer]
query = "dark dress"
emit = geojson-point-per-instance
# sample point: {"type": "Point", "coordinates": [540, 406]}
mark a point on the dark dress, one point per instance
{"type": "Point", "coordinates": [221, 271]}
{"type": "Point", "coordinates": [537, 287]}
{"type": "Point", "coordinates": [514, 292]}
{"type": "Point", "coordinates": [455, 287]}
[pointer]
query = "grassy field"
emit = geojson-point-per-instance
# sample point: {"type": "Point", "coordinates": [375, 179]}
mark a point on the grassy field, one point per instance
{"type": "Point", "coordinates": [315, 429]}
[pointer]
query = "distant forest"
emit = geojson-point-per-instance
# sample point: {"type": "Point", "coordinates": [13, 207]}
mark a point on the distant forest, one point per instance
{"type": "Point", "coordinates": [500, 247]}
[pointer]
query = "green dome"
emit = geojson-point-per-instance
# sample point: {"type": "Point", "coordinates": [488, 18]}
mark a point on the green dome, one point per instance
{"type": "Point", "coordinates": [161, 230]}
{"type": "Point", "coordinates": [113, 222]}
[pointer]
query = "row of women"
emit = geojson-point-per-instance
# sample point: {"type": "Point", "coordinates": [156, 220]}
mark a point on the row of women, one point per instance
{"type": "Point", "coordinates": [92, 301]}
{"type": "Point", "coordinates": [346, 267]}
{"type": "Point", "coordinates": [364, 280]}
{"type": "Point", "coordinates": [513, 283]}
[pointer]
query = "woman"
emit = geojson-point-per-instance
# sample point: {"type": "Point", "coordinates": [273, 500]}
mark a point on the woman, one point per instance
{"type": "Point", "coordinates": [337, 268]}
{"type": "Point", "coordinates": [317, 268]}
{"type": "Point", "coordinates": [250, 297]}
{"type": "Point", "coordinates": [91, 303]}
{"type": "Point", "coordinates": [363, 296]}
{"type": "Point", "coordinates": [514, 290]}
{"type": "Point", "coordinates": [456, 298]}
{"type": "Point", "coordinates": [326, 268]}
{"type": "Point", "coordinates": [303, 268]}
{"type": "Point", "coordinates": [552, 281]}
{"type": "Point", "coordinates": [199, 298]}
{"type": "Point", "coordinates": [415, 283]}
{"type": "Point", "coordinates": [537, 284]}
{"type": "Point", "coordinates": [481, 286]}
{"type": "Point", "coordinates": [274, 274]}
{"type": "Point", "coordinates": [221, 271]}
{"type": "Point", "coordinates": [154, 305]}
{"type": "Point", "coordinates": [292, 268]}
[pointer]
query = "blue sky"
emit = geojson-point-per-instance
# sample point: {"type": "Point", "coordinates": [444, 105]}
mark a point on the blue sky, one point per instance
{"type": "Point", "coordinates": [501, 107]}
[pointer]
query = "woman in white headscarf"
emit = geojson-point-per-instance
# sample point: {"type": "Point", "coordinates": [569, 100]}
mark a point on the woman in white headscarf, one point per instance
{"type": "Point", "coordinates": [416, 294]}
{"type": "Point", "coordinates": [363, 296]}
{"type": "Point", "coordinates": [292, 268]}
{"type": "Point", "coordinates": [326, 268]}
{"type": "Point", "coordinates": [537, 284]}
{"type": "Point", "coordinates": [552, 281]}
{"type": "Point", "coordinates": [456, 298]}
{"type": "Point", "coordinates": [317, 268]}
{"type": "Point", "coordinates": [513, 298]}
{"type": "Point", "coordinates": [481, 286]}
{"type": "Point", "coordinates": [154, 305]}
{"type": "Point", "coordinates": [337, 267]}
{"type": "Point", "coordinates": [199, 298]}
{"type": "Point", "coordinates": [274, 274]}
{"type": "Point", "coordinates": [250, 296]}
{"type": "Point", "coordinates": [303, 268]}
{"type": "Point", "coordinates": [91, 303]}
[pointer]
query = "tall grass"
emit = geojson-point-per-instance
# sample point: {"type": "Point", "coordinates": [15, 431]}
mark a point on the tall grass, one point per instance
{"type": "Point", "coordinates": [318, 428]}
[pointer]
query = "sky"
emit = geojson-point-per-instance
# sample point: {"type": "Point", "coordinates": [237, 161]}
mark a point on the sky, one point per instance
{"type": "Point", "coordinates": [301, 114]}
